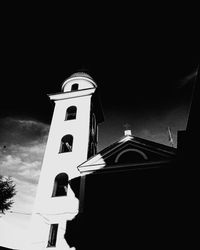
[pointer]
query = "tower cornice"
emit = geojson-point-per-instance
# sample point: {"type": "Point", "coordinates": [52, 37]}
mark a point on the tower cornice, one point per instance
{"type": "Point", "coordinates": [71, 94]}
{"type": "Point", "coordinates": [75, 77]}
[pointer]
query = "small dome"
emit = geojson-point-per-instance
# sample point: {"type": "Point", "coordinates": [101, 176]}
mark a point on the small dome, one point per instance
{"type": "Point", "coordinates": [80, 74]}
{"type": "Point", "coordinates": [83, 79]}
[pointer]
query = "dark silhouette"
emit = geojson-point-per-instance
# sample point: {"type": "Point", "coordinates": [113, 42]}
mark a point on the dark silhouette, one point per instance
{"type": "Point", "coordinates": [142, 206]}
{"type": "Point", "coordinates": [7, 191]}
{"type": "Point", "coordinates": [5, 248]}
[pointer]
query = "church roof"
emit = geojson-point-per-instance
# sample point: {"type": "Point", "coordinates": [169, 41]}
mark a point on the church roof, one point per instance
{"type": "Point", "coordinates": [150, 152]}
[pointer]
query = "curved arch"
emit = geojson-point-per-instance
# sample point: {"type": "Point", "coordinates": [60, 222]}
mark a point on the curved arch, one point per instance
{"type": "Point", "coordinates": [60, 185]}
{"type": "Point", "coordinates": [66, 144]}
{"type": "Point", "coordinates": [71, 113]}
{"type": "Point", "coordinates": [131, 150]}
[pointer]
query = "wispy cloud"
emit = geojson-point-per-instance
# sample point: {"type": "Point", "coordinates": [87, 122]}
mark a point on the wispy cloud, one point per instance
{"type": "Point", "coordinates": [22, 147]}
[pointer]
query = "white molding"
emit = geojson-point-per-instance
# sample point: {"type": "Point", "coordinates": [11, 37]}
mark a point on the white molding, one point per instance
{"type": "Point", "coordinates": [78, 78]}
{"type": "Point", "coordinates": [72, 94]}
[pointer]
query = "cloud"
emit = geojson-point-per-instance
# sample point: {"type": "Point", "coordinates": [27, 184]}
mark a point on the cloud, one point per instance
{"type": "Point", "coordinates": [26, 131]}
{"type": "Point", "coordinates": [22, 148]}
{"type": "Point", "coordinates": [19, 165]}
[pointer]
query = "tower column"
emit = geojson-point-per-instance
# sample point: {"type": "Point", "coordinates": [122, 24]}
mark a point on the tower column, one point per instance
{"type": "Point", "coordinates": [67, 147]}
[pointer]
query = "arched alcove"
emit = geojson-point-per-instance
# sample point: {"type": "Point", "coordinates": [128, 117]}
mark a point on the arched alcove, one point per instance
{"type": "Point", "coordinates": [74, 87]}
{"type": "Point", "coordinates": [71, 113]}
{"type": "Point", "coordinates": [66, 144]}
{"type": "Point", "coordinates": [60, 185]}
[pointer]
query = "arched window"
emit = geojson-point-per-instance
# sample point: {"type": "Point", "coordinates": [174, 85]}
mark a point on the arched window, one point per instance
{"type": "Point", "coordinates": [60, 185]}
{"type": "Point", "coordinates": [74, 87]}
{"type": "Point", "coordinates": [52, 235]}
{"type": "Point", "coordinates": [66, 144]}
{"type": "Point", "coordinates": [71, 113]}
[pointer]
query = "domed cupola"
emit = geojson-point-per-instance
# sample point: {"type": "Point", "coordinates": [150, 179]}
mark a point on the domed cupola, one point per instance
{"type": "Point", "coordinates": [78, 81]}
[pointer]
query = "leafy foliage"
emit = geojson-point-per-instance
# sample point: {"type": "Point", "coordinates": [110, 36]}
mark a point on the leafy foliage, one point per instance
{"type": "Point", "coordinates": [7, 192]}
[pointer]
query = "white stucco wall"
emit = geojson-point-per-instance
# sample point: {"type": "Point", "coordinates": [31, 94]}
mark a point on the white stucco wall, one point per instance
{"type": "Point", "coordinates": [49, 210]}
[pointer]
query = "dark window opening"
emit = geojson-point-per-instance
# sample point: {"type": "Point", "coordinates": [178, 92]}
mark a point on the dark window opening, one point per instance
{"type": "Point", "coordinates": [52, 235]}
{"type": "Point", "coordinates": [60, 185]}
{"type": "Point", "coordinates": [66, 144]}
{"type": "Point", "coordinates": [74, 87]}
{"type": "Point", "coordinates": [71, 113]}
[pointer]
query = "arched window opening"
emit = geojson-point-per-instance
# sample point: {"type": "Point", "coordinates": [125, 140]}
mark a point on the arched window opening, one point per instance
{"type": "Point", "coordinates": [52, 235]}
{"type": "Point", "coordinates": [74, 87]}
{"type": "Point", "coordinates": [71, 113]}
{"type": "Point", "coordinates": [66, 144]}
{"type": "Point", "coordinates": [131, 156]}
{"type": "Point", "coordinates": [60, 185]}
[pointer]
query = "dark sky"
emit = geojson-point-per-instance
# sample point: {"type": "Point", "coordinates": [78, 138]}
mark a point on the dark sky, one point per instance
{"type": "Point", "coordinates": [142, 58]}
{"type": "Point", "coordinates": [140, 64]}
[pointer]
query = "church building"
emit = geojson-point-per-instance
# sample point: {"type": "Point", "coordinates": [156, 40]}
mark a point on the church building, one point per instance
{"type": "Point", "coordinates": [127, 196]}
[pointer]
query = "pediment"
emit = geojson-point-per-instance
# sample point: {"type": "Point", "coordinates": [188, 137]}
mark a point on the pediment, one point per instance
{"type": "Point", "coordinates": [129, 151]}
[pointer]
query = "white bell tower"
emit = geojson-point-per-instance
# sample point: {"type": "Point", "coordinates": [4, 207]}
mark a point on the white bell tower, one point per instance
{"type": "Point", "coordinates": [72, 140]}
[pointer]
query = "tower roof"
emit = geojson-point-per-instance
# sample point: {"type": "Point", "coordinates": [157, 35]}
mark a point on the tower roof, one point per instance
{"type": "Point", "coordinates": [79, 76]}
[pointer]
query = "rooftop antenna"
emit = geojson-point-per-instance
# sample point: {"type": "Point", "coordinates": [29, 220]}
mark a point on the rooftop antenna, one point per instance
{"type": "Point", "coordinates": [171, 141]}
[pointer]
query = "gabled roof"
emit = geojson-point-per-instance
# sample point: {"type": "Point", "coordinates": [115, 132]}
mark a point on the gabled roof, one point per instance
{"type": "Point", "coordinates": [111, 157]}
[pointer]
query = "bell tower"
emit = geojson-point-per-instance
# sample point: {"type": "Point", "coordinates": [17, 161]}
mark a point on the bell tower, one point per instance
{"type": "Point", "coordinates": [72, 140]}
